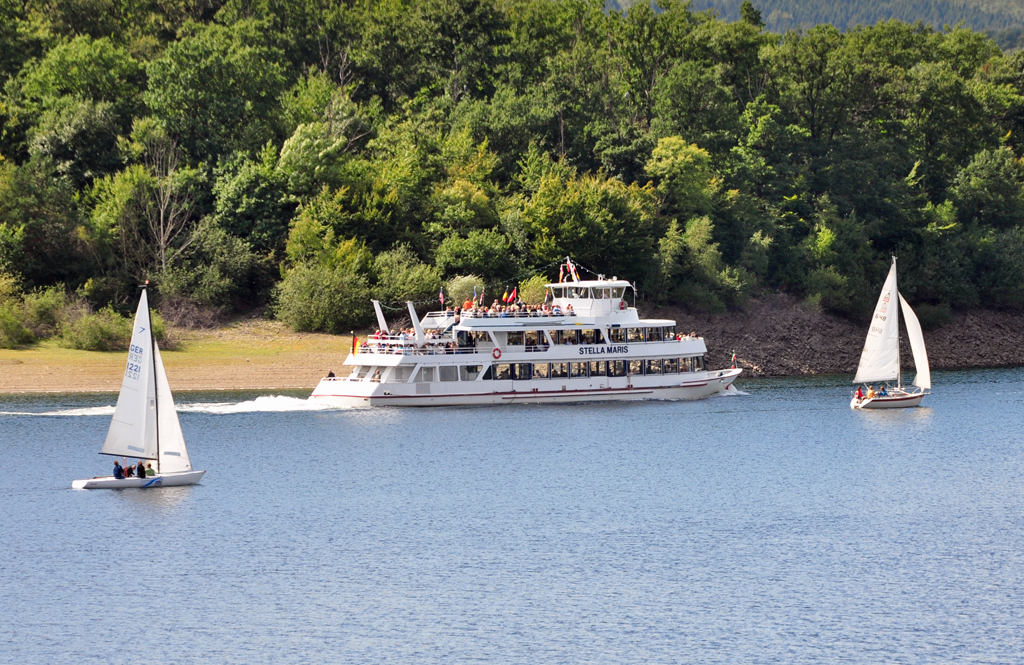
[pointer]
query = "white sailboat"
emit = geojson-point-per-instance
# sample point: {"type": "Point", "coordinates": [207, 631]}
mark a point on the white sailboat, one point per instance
{"type": "Point", "coordinates": [880, 360]}
{"type": "Point", "coordinates": [145, 423]}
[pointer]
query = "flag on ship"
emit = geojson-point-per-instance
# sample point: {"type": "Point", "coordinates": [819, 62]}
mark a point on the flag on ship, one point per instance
{"type": "Point", "coordinates": [504, 298]}
{"type": "Point", "coordinates": [512, 298]}
{"type": "Point", "coordinates": [474, 294]}
{"type": "Point", "coordinates": [561, 271]}
{"type": "Point", "coordinates": [441, 296]}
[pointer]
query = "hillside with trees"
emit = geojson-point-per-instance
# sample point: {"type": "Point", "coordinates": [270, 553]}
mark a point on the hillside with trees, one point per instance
{"type": "Point", "coordinates": [301, 157]}
{"type": "Point", "coordinates": [1001, 19]}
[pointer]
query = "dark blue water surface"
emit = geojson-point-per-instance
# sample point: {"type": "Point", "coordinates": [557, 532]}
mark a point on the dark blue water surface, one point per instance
{"type": "Point", "coordinates": [777, 526]}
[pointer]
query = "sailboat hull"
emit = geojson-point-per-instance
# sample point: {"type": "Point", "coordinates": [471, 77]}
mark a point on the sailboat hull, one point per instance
{"type": "Point", "coordinates": [892, 402]}
{"type": "Point", "coordinates": [163, 480]}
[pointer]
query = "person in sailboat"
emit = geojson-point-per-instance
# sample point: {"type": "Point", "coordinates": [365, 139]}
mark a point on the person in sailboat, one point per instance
{"type": "Point", "coordinates": [871, 392]}
{"type": "Point", "coordinates": [118, 471]}
{"type": "Point", "coordinates": [882, 392]}
{"type": "Point", "coordinates": [860, 393]}
{"type": "Point", "coordinates": [149, 470]}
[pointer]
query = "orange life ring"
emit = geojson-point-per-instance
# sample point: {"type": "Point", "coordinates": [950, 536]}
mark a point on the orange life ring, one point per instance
{"type": "Point", "coordinates": [622, 304]}
{"type": "Point", "coordinates": [496, 353]}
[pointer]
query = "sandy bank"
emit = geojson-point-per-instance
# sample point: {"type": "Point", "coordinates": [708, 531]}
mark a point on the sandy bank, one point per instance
{"type": "Point", "coordinates": [253, 354]}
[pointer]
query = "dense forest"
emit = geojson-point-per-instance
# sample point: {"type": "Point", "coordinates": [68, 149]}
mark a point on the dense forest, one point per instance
{"type": "Point", "coordinates": [299, 157]}
{"type": "Point", "coordinates": [1003, 20]}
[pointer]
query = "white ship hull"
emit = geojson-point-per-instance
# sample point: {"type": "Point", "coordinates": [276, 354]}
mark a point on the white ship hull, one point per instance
{"type": "Point", "coordinates": [163, 480]}
{"type": "Point", "coordinates": [342, 393]}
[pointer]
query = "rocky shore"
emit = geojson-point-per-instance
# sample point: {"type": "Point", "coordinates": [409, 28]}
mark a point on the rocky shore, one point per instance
{"type": "Point", "coordinates": [779, 336]}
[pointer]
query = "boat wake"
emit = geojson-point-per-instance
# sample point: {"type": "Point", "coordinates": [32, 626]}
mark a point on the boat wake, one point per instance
{"type": "Point", "coordinates": [265, 404]}
{"type": "Point", "coordinates": [731, 391]}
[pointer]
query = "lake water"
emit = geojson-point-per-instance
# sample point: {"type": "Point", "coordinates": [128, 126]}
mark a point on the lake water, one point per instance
{"type": "Point", "coordinates": [777, 526]}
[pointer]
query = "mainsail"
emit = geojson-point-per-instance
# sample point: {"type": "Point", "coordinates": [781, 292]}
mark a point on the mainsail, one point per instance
{"type": "Point", "coordinates": [880, 360]}
{"type": "Point", "coordinates": [924, 375]}
{"type": "Point", "coordinates": [132, 430]}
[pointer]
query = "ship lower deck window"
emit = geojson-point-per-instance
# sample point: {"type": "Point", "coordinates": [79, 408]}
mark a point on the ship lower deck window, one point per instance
{"type": "Point", "coordinates": [515, 339]}
{"type": "Point", "coordinates": [671, 366]}
{"type": "Point", "coordinates": [636, 367]}
{"type": "Point", "coordinates": [599, 368]}
{"type": "Point", "coordinates": [469, 372]}
{"type": "Point", "coordinates": [448, 373]}
{"type": "Point", "coordinates": [425, 375]}
{"type": "Point", "coordinates": [540, 371]}
{"type": "Point", "coordinates": [399, 375]}
{"type": "Point", "coordinates": [698, 364]}
{"type": "Point", "coordinates": [616, 368]}
{"type": "Point", "coordinates": [577, 370]}
{"type": "Point", "coordinates": [653, 366]}
{"type": "Point", "coordinates": [559, 370]}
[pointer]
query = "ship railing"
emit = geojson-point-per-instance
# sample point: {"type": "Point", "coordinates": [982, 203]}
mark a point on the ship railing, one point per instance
{"type": "Point", "coordinates": [407, 349]}
{"type": "Point", "coordinates": [514, 315]}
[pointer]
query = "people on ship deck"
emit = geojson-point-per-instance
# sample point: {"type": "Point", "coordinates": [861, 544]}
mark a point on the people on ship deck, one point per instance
{"type": "Point", "coordinates": [330, 374]}
{"type": "Point", "coordinates": [118, 471]}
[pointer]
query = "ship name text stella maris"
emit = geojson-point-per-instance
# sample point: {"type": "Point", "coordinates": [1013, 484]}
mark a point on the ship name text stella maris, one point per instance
{"type": "Point", "coordinates": [585, 344]}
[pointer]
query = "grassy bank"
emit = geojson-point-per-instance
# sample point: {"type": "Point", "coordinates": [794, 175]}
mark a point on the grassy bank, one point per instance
{"type": "Point", "coordinates": [252, 354]}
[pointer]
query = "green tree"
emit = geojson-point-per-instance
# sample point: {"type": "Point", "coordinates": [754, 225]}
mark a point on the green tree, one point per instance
{"type": "Point", "coordinates": [216, 89]}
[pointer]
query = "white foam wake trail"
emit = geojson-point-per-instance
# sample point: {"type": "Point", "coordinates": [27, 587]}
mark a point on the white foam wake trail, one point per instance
{"type": "Point", "coordinates": [85, 411]}
{"type": "Point", "coordinates": [731, 391]}
{"type": "Point", "coordinates": [266, 403]}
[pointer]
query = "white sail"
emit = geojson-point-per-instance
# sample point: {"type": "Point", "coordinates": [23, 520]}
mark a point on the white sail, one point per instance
{"type": "Point", "coordinates": [924, 374]}
{"type": "Point", "coordinates": [173, 453]}
{"type": "Point", "coordinates": [880, 360]}
{"type": "Point", "coordinates": [132, 430]}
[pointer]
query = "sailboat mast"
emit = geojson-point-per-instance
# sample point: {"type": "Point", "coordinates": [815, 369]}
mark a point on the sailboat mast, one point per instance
{"type": "Point", "coordinates": [156, 393]}
{"type": "Point", "coordinates": [896, 313]}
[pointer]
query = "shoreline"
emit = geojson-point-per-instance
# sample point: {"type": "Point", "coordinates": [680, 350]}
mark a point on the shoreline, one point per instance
{"type": "Point", "coordinates": [252, 354]}
{"type": "Point", "coordinates": [772, 337]}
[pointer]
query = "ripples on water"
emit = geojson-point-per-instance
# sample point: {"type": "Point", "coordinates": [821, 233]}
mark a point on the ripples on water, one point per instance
{"type": "Point", "coordinates": [776, 526]}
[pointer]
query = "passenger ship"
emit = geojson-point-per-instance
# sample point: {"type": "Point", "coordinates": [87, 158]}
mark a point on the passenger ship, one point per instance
{"type": "Point", "coordinates": [589, 346]}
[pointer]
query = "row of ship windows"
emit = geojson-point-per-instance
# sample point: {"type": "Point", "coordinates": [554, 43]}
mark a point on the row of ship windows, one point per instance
{"type": "Point", "coordinates": [526, 371]}
{"type": "Point", "coordinates": [588, 336]}
{"type": "Point", "coordinates": [587, 292]}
